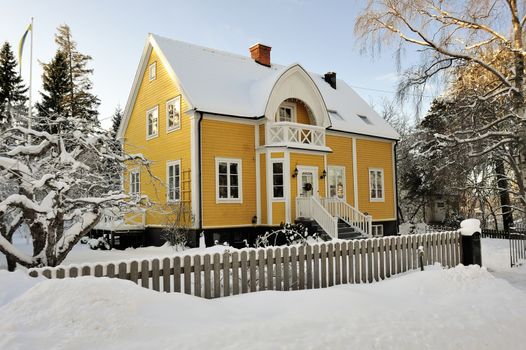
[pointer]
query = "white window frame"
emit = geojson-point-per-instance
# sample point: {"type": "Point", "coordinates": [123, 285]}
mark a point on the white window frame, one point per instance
{"type": "Point", "coordinates": [152, 68]}
{"type": "Point", "coordinates": [339, 167]}
{"type": "Point", "coordinates": [376, 199]}
{"type": "Point", "coordinates": [176, 101]}
{"type": "Point", "coordinates": [272, 162]}
{"type": "Point", "coordinates": [169, 164]}
{"type": "Point", "coordinates": [377, 230]}
{"type": "Point", "coordinates": [133, 172]}
{"type": "Point", "coordinates": [239, 180]}
{"type": "Point", "coordinates": [290, 105]}
{"type": "Point", "coordinates": [152, 136]}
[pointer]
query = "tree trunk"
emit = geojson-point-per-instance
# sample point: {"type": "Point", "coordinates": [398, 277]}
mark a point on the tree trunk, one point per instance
{"type": "Point", "coordinates": [504, 194]}
{"type": "Point", "coordinates": [11, 263]}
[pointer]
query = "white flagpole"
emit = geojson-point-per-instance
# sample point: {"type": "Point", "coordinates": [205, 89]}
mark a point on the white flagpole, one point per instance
{"type": "Point", "coordinates": [29, 112]}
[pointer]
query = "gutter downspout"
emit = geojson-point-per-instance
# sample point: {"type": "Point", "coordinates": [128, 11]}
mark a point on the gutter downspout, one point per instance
{"type": "Point", "coordinates": [199, 172]}
{"type": "Point", "coordinates": [396, 188]}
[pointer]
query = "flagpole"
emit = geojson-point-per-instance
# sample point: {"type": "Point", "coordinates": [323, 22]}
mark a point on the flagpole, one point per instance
{"type": "Point", "coordinates": [30, 112]}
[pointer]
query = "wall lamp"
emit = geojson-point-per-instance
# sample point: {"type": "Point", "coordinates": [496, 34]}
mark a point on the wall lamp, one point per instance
{"type": "Point", "coordinates": [295, 173]}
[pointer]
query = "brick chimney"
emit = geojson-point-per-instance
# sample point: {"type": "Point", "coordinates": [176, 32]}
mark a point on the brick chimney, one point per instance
{"type": "Point", "coordinates": [261, 54]}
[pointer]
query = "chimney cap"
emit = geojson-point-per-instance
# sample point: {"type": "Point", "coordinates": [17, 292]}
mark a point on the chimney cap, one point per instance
{"type": "Point", "coordinates": [259, 45]}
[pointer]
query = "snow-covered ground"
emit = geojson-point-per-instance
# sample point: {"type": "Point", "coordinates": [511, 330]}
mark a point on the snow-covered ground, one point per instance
{"type": "Point", "coordinates": [82, 254]}
{"type": "Point", "coordinates": [460, 308]}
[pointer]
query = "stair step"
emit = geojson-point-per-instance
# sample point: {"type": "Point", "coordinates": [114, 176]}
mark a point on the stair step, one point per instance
{"type": "Point", "coordinates": [353, 235]}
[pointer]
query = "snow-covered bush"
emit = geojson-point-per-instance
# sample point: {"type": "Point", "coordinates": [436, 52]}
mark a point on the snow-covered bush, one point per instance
{"type": "Point", "coordinates": [178, 222]}
{"type": "Point", "coordinates": [100, 243]}
{"type": "Point", "coordinates": [287, 234]}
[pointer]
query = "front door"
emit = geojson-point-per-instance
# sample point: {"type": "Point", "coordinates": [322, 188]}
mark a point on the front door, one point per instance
{"type": "Point", "coordinates": [307, 181]}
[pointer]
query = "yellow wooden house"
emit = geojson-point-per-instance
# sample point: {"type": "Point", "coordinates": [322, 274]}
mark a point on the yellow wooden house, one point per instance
{"type": "Point", "coordinates": [248, 144]}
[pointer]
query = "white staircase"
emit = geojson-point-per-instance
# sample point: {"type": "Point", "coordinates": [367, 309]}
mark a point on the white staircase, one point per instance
{"type": "Point", "coordinates": [328, 211]}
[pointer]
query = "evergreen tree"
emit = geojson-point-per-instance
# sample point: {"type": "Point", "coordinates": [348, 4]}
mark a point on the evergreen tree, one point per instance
{"type": "Point", "coordinates": [79, 100]}
{"type": "Point", "coordinates": [12, 90]}
{"type": "Point", "coordinates": [116, 121]}
{"type": "Point", "coordinates": [55, 86]}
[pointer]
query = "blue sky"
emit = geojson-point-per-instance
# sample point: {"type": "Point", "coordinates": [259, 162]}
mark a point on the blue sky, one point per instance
{"type": "Point", "coordinates": [317, 34]}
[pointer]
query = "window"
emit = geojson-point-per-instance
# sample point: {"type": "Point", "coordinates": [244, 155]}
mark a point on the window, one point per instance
{"type": "Point", "coordinates": [152, 123]}
{"type": "Point", "coordinates": [286, 112]}
{"type": "Point", "coordinates": [173, 114]}
{"type": "Point", "coordinates": [337, 182]}
{"type": "Point", "coordinates": [135, 182]}
{"type": "Point", "coordinates": [228, 180]}
{"type": "Point", "coordinates": [277, 180]}
{"type": "Point", "coordinates": [376, 185]}
{"type": "Point", "coordinates": [378, 230]}
{"type": "Point", "coordinates": [152, 71]}
{"type": "Point", "coordinates": [173, 181]}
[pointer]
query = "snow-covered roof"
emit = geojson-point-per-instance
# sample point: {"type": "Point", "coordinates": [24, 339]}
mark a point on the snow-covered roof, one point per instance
{"type": "Point", "coordinates": [225, 83]}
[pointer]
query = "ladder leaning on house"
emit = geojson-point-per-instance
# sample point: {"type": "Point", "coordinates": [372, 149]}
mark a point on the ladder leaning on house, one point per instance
{"type": "Point", "coordinates": [328, 212]}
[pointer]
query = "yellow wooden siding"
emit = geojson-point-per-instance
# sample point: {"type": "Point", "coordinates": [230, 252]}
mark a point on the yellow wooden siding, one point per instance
{"type": "Point", "coordinates": [228, 140]}
{"type": "Point", "coordinates": [263, 187]}
{"type": "Point", "coordinates": [342, 156]}
{"type": "Point", "coordinates": [261, 134]}
{"type": "Point", "coordinates": [278, 213]}
{"type": "Point", "coordinates": [302, 115]}
{"type": "Point", "coordinates": [174, 145]}
{"type": "Point", "coordinates": [277, 155]}
{"type": "Point", "coordinates": [375, 154]}
{"type": "Point", "coordinates": [301, 159]}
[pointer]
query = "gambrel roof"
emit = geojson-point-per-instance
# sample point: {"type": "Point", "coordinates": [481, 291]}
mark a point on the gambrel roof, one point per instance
{"type": "Point", "coordinates": [219, 82]}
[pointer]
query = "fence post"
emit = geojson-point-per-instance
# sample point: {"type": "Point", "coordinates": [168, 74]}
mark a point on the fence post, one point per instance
{"type": "Point", "coordinates": [470, 241]}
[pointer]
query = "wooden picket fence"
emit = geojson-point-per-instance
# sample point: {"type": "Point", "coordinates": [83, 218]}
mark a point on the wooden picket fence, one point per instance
{"type": "Point", "coordinates": [318, 265]}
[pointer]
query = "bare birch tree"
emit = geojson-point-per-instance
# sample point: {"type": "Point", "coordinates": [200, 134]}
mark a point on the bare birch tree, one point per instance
{"type": "Point", "coordinates": [462, 33]}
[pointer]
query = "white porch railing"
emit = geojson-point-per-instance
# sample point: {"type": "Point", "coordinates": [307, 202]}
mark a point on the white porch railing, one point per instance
{"type": "Point", "coordinates": [293, 133]}
{"type": "Point", "coordinates": [112, 220]}
{"type": "Point", "coordinates": [353, 217]}
{"type": "Point", "coordinates": [310, 207]}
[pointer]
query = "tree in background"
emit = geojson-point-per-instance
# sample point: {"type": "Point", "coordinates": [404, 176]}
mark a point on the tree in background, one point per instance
{"type": "Point", "coordinates": [457, 34]}
{"type": "Point", "coordinates": [12, 90]}
{"type": "Point", "coordinates": [79, 100]}
{"type": "Point", "coordinates": [55, 87]}
{"type": "Point", "coordinates": [116, 119]}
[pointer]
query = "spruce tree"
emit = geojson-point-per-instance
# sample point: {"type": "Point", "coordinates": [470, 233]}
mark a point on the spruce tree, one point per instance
{"type": "Point", "coordinates": [12, 90]}
{"type": "Point", "coordinates": [116, 121]}
{"type": "Point", "coordinates": [79, 100]}
{"type": "Point", "coordinates": [53, 97]}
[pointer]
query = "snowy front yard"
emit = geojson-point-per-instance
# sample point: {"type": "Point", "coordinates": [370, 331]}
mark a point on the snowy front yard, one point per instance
{"type": "Point", "coordinates": [460, 308]}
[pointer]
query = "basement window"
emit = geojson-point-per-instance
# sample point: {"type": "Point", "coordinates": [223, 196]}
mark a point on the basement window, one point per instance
{"type": "Point", "coordinates": [378, 230]}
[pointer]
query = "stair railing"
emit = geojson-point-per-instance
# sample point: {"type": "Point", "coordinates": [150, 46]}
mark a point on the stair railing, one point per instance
{"type": "Point", "coordinates": [310, 207]}
{"type": "Point", "coordinates": [350, 215]}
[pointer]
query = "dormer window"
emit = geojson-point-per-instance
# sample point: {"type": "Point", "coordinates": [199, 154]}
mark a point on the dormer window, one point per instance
{"type": "Point", "coordinates": [286, 113]}
{"type": "Point", "coordinates": [152, 71]}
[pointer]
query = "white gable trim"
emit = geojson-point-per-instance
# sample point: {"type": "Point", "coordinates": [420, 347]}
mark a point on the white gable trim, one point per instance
{"type": "Point", "coordinates": [148, 47]}
{"type": "Point", "coordinates": [295, 82]}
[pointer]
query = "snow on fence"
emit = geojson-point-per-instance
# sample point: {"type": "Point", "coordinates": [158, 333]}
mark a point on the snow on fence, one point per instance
{"type": "Point", "coordinates": [318, 265]}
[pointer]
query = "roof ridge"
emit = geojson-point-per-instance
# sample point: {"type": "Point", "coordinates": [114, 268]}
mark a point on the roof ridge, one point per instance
{"type": "Point", "coordinates": [202, 47]}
